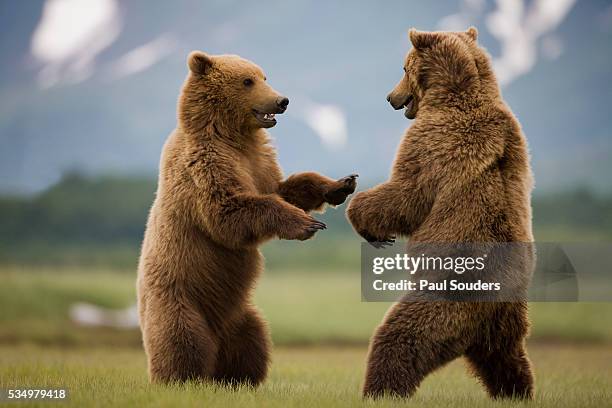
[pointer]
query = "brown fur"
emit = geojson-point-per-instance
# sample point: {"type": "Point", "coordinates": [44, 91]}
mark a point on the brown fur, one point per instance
{"type": "Point", "coordinates": [220, 195]}
{"type": "Point", "coordinates": [461, 174]}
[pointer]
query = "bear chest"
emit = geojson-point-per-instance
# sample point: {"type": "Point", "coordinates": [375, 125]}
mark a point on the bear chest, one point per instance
{"type": "Point", "coordinates": [258, 176]}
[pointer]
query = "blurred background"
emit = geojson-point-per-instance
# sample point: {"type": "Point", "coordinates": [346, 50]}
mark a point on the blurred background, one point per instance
{"type": "Point", "coordinates": [88, 94]}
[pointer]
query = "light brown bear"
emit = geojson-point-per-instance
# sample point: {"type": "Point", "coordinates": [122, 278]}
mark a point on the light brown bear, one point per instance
{"type": "Point", "coordinates": [461, 174]}
{"type": "Point", "coordinates": [220, 195]}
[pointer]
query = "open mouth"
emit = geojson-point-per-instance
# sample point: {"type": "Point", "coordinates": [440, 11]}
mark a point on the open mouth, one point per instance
{"type": "Point", "coordinates": [266, 119]}
{"type": "Point", "coordinates": [409, 105]}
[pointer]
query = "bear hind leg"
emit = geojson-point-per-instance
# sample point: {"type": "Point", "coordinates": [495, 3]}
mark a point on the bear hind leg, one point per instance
{"type": "Point", "coordinates": [506, 373]}
{"type": "Point", "coordinates": [244, 354]}
{"type": "Point", "coordinates": [180, 347]}
{"type": "Point", "coordinates": [398, 361]}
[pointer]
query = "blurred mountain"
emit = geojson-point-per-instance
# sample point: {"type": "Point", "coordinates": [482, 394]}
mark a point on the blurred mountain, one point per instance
{"type": "Point", "coordinates": [110, 111]}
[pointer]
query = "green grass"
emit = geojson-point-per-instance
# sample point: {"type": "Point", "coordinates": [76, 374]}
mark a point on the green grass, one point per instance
{"type": "Point", "coordinates": [320, 328]}
{"type": "Point", "coordinates": [303, 307]}
{"type": "Point", "coordinates": [566, 376]}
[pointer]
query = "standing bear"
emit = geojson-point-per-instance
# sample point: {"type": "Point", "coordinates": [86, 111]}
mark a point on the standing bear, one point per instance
{"type": "Point", "coordinates": [220, 195]}
{"type": "Point", "coordinates": [461, 175]}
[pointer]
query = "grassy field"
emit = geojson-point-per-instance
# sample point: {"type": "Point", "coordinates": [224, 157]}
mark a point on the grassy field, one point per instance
{"type": "Point", "coordinates": [320, 328]}
{"type": "Point", "coordinates": [300, 377]}
{"type": "Point", "coordinates": [302, 308]}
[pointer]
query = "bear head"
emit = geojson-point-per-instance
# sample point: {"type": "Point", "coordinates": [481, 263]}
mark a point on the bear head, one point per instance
{"type": "Point", "coordinates": [445, 65]}
{"type": "Point", "coordinates": [230, 90]}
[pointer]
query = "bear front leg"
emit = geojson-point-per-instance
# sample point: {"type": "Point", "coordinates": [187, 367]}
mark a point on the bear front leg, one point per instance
{"type": "Point", "coordinates": [243, 219]}
{"type": "Point", "coordinates": [309, 191]}
{"type": "Point", "coordinates": [244, 353]}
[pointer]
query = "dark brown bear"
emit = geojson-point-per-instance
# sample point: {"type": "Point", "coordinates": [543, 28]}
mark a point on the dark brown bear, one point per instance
{"type": "Point", "coordinates": [461, 174]}
{"type": "Point", "coordinates": [220, 195]}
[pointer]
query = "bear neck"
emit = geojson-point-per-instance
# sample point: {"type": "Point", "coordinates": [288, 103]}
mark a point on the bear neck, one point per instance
{"type": "Point", "coordinates": [488, 81]}
{"type": "Point", "coordinates": [467, 90]}
{"type": "Point", "coordinates": [208, 121]}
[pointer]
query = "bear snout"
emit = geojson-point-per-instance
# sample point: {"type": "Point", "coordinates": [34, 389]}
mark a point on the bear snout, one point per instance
{"type": "Point", "coordinates": [397, 101]}
{"type": "Point", "coordinates": [282, 102]}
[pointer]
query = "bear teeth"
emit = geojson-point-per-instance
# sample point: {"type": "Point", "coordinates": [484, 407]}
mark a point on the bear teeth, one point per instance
{"type": "Point", "coordinates": [269, 116]}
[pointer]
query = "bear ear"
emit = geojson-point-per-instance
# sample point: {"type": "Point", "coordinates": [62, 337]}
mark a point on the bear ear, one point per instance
{"type": "Point", "coordinates": [472, 32]}
{"type": "Point", "coordinates": [199, 62]}
{"type": "Point", "coordinates": [422, 39]}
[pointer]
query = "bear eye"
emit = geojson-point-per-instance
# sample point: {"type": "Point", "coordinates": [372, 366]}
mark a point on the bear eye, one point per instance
{"type": "Point", "coordinates": [248, 82]}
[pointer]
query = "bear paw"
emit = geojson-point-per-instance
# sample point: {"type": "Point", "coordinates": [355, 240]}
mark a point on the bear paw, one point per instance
{"type": "Point", "coordinates": [377, 243]}
{"type": "Point", "coordinates": [301, 228]}
{"type": "Point", "coordinates": [341, 189]}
